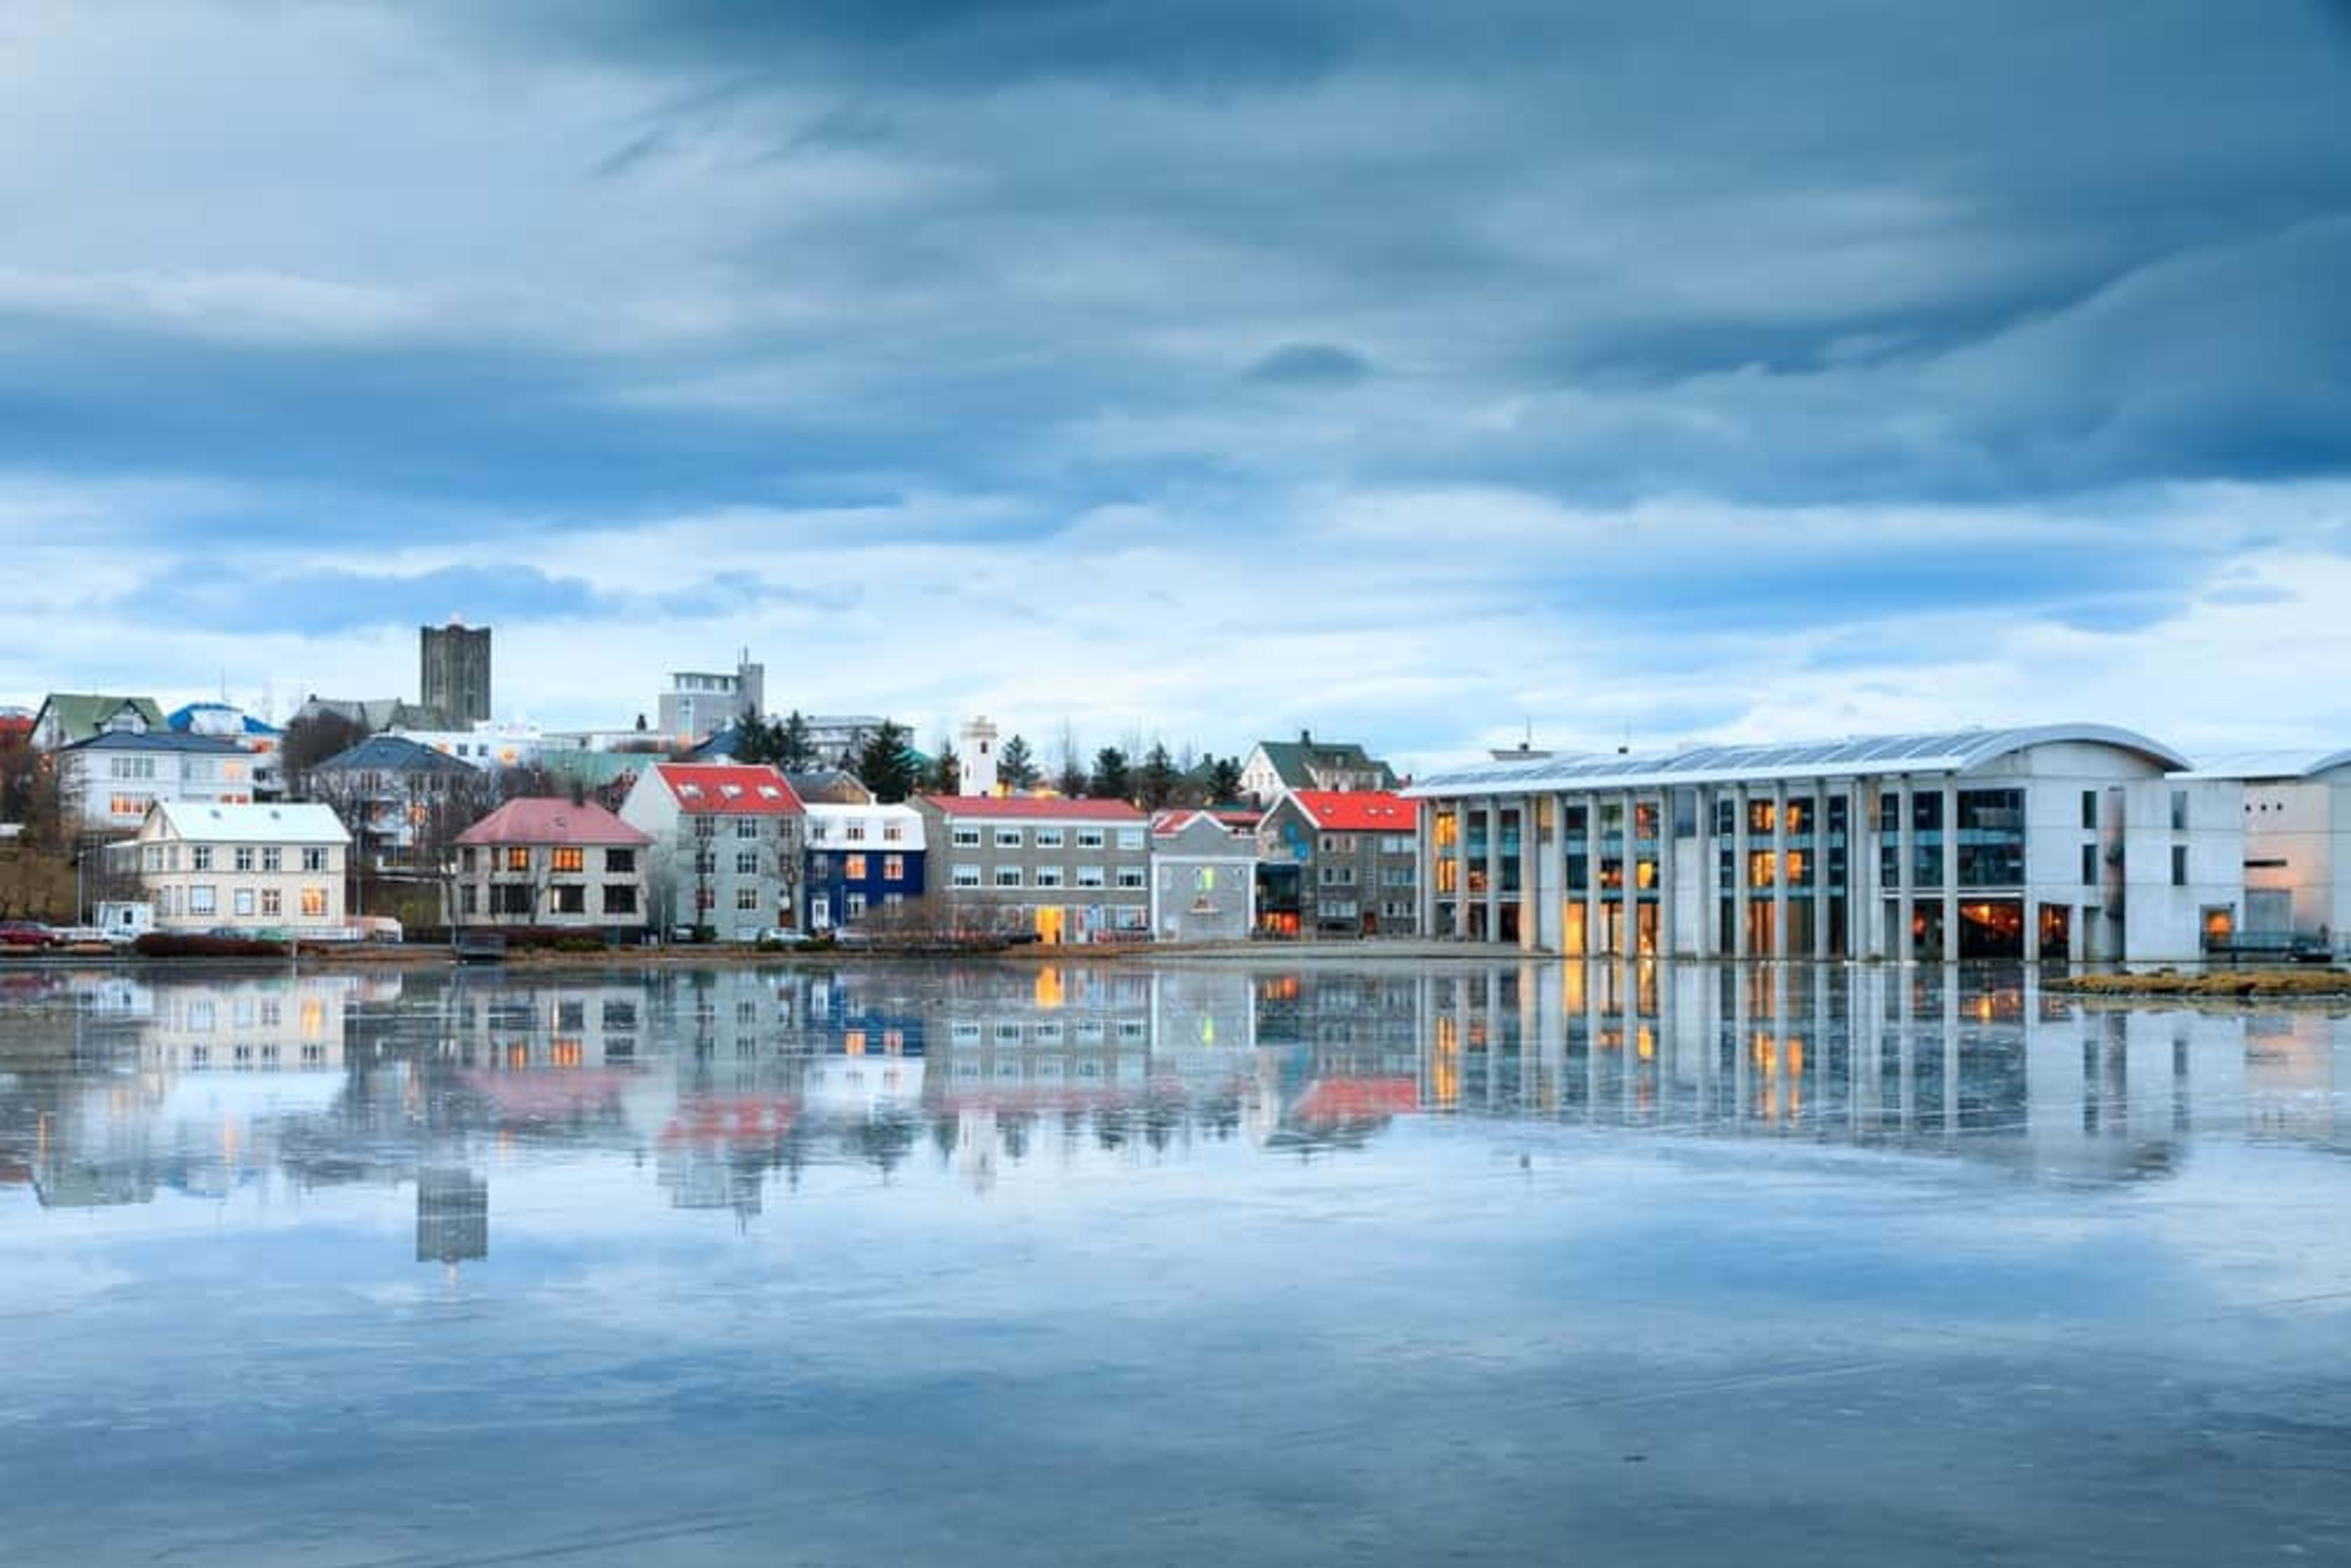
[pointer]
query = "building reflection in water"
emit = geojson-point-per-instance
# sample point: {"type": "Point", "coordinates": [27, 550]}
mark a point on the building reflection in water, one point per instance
{"type": "Point", "coordinates": [730, 1085]}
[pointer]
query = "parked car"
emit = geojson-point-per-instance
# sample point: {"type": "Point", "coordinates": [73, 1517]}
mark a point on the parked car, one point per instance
{"type": "Point", "coordinates": [26, 934]}
{"type": "Point", "coordinates": [782, 937]}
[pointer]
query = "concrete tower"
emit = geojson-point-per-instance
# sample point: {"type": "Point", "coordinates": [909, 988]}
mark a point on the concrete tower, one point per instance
{"type": "Point", "coordinates": [975, 745]}
{"type": "Point", "coordinates": [454, 681]}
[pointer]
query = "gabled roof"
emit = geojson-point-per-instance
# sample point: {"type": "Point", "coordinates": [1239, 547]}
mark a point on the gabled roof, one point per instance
{"type": "Point", "coordinates": [76, 716]}
{"type": "Point", "coordinates": [1033, 809]}
{"type": "Point", "coordinates": [832, 784]}
{"type": "Point", "coordinates": [1947, 751]}
{"type": "Point", "coordinates": [730, 788]}
{"type": "Point", "coordinates": [1175, 819]}
{"type": "Point", "coordinates": [395, 754]}
{"type": "Point", "coordinates": [305, 823]}
{"type": "Point", "coordinates": [1294, 761]}
{"type": "Point", "coordinates": [552, 820]}
{"type": "Point", "coordinates": [158, 740]}
{"type": "Point", "coordinates": [1357, 811]}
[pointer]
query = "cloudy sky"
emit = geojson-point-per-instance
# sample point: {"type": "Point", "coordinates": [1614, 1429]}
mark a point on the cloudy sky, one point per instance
{"type": "Point", "coordinates": [1415, 372]}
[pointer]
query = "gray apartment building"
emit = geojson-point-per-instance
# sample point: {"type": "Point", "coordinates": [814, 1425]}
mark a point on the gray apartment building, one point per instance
{"type": "Point", "coordinates": [1339, 862]}
{"type": "Point", "coordinates": [727, 846]}
{"type": "Point", "coordinates": [1069, 870]}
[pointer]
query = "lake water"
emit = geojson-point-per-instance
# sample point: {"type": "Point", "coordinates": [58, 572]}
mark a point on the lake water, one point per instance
{"type": "Point", "coordinates": [1134, 1264]}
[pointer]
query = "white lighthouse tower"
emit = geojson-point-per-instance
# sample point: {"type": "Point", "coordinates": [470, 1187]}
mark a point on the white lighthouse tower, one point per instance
{"type": "Point", "coordinates": [976, 747]}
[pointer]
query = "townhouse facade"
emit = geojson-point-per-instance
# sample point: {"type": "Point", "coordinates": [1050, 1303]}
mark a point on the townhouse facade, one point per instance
{"type": "Point", "coordinates": [1203, 878]}
{"type": "Point", "coordinates": [1066, 870]}
{"type": "Point", "coordinates": [860, 858]}
{"type": "Point", "coordinates": [1339, 863]}
{"type": "Point", "coordinates": [392, 792]}
{"type": "Point", "coordinates": [65, 717]}
{"type": "Point", "coordinates": [727, 847]}
{"type": "Point", "coordinates": [545, 864]}
{"type": "Point", "coordinates": [266, 867]}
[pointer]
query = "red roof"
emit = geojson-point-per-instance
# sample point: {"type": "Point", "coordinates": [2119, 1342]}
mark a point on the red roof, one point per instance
{"type": "Point", "coordinates": [1357, 811]}
{"type": "Point", "coordinates": [1031, 808]}
{"type": "Point", "coordinates": [1168, 823]}
{"type": "Point", "coordinates": [551, 820]}
{"type": "Point", "coordinates": [730, 788]}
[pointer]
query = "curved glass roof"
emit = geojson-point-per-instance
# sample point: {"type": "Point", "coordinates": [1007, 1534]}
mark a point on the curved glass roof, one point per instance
{"type": "Point", "coordinates": [1950, 752]}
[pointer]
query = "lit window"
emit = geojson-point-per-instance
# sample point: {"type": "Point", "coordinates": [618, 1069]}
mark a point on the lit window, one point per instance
{"type": "Point", "coordinates": [570, 857]}
{"type": "Point", "coordinates": [853, 867]}
{"type": "Point", "coordinates": [314, 902]}
{"type": "Point", "coordinates": [894, 868]}
{"type": "Point", "coordinates": [517, 858]}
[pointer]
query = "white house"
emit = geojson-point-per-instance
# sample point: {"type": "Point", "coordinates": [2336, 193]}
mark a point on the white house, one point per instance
{"type": "Point", "coordinates": [110, 780]}
{"type": "Point", "coordinates": [260, 867]}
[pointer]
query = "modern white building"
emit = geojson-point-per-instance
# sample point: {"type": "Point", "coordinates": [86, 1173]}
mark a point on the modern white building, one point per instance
{"type": "Point", "coordinates": [2060, 842]}
{"type": "Point", "coordinates": [2296, 809]}
{"type": "Point", "coordinates": [260, 867]}
{"type": "Point", "coordinates": [697, 704]}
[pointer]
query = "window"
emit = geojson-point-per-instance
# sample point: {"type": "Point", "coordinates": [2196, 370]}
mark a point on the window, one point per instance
{"type": "Point", "coordinates": [571, 898]}
{"type": "Point", "coordinates": [465, 899]}
{"type": "Point", "coordinates": [1008, 838]}
{"type": "Point", "coordinates": [706, 863]}
{"type": "Point", "coordinates": [855, 905]}
{"type": "Point", "coordinates": [618, 900]}
{"type": "Point", "coordinates": [314, 902]}
{"type": "Point", "coordinates": [1091, 838]}
{"type": "Point", "coordinates": [1130, 838]}
{"type": "Point", "coordinates": [964, 875]}
{"type": "Point", "coordinates": [1049, 876]}
{"type": "Point", "coordinates": [2179, 865]}
{"type": "Point", "coordinates": [2090, 810]}
{"type": "Point", "coordinates": [1048, 838]}
{"type": "Point", "coordinates": [314, 858]}
{"type": "Point", "coordinates": [570, 858]}
{"type": "Point", "coordinates": [1130, 876]}
{"type": "Point", "coordinates": [967, 837]}
{"type": "Point", "coordinates": [200, 858]}
{"type": "Point", "coordinates": [274, 903]}
{"type": "Point", "coordinates": [747, 827]}
{"type": "Point", "coordinates": [894, 868]}
{"type": "Point", "coordinates": [856, 833]}
{"type": "Point", "coordinates": [853, 867]}
{"type": "Point", "coordinates": [1089, 876]}
{"type": "Point", "coordinates": [2180, 810]}
{"type": "Point", "coordinates": [1007, 876]}
{"type": "Point", "coordinates": [200, 899]}
{"type": "Point", "coordinates": [746, 863]}
{"type": "Point", "coordinates": [704, 898]}
{"type": "Point", "coordinates": [518, 858]}
{"type": "Point", "coordinates": [894, 833]}
{"type": "Point", "coordinates": [244, 857]}
{"type": "Point", "coordinates": [2089, 865]}
{"type": "Point", "coordinates": [273, 858]}
{"type": "Point", "coordinates": [242, 900]}
{"type": "Point", "coordinates": [1396, 844]}
{"type": "Point", "coordinates": [621, 861]}
{"type": "Point", "coordinates": [511, 898]}
{"type": "Point", "coordinates": [747, 898]}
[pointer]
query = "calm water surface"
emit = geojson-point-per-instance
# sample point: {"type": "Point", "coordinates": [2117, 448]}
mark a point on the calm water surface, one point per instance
{"type": "Point", "coordinates": [1528, 1263]}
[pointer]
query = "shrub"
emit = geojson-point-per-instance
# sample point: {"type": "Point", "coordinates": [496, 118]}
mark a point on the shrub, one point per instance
{"type": "Point", "coordinates": [183, 944]}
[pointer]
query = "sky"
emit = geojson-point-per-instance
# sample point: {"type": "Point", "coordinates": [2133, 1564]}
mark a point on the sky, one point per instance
{"type": "Point", "coordinates": [1430, 376]}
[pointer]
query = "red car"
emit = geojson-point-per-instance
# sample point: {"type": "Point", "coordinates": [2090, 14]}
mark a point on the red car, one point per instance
{"type": "Point", "coordinates": [26, 934]}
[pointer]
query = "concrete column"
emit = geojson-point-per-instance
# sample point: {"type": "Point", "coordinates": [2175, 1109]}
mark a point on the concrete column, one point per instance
{"type": "Point", "coordinates": [1905, 865]}
{"type": "Point", "coordinates": [1628, 938]}
{"type": "Point", "coordinates": [1591, 877]}
{"type": "Point", "coordinates": [1820, 856]}
{"type": "Point", "coordinates": [1780, 947]}
{"type": "Point", "coordinates": [1739, 874]}
{"type": "Point", "coordinates": [1530, 868]}
{"type": "Point", "coordinates": [1950, 872]}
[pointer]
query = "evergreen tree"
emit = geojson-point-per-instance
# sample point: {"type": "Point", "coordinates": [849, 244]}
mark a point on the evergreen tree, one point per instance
{"type": "Point", "coordinates": [944, 775]}
{"type": "Point", "coordinates": [1014, 768]}
{"type": "Point", "coordinates": [1112, 778]}
{"type": "Point", "coordinates": [884, 765]}
{"type": "Point", "coordinates": [795, 753]}
{"type": "Point", "coordinates": [754, 741]}
{"type": "Point", "coordinates": [1224, 781]}
{"type": "Point", "coordinates": [1159, 778]}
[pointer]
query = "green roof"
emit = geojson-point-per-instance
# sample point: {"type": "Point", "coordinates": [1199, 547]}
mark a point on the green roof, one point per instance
{"type": "Point", "coordinates": [78, 715]}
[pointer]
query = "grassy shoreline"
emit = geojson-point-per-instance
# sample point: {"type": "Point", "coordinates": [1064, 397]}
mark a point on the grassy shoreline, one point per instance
{"type": "Point", "coordinates": [2218, 984]}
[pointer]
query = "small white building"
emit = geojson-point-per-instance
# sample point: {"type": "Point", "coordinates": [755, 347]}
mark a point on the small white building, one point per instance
{"type": "Point", "coordinates": [256, 867]}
